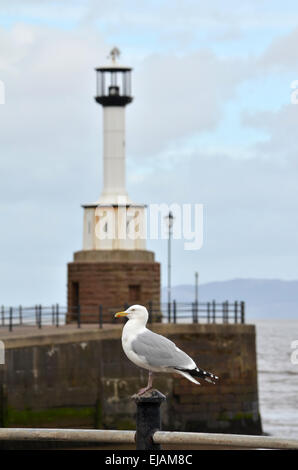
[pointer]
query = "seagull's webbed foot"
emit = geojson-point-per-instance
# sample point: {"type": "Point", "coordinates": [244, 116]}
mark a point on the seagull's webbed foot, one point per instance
{"type": "Point", "coordinates": [143, 390]}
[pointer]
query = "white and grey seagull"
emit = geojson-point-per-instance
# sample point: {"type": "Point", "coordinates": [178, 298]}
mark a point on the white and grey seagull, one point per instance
{"type": "Point", "coordinates": [154, 352]}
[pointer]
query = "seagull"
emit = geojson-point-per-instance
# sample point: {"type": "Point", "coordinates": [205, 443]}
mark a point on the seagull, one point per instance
{"type": "Point", "coordinates": [154, 352]}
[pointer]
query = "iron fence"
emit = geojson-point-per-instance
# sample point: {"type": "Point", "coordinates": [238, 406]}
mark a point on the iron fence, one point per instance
{"type": "Point", "coordinates": [175, 312]}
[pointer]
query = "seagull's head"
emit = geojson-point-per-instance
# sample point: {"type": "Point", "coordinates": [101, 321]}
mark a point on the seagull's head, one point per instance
{"type": "Point", "coordinates": [135, 312]}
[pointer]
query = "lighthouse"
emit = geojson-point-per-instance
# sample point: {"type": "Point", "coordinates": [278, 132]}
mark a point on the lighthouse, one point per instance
{"type": "Point", "coordinates": [114, 222]}
{"type": "Point", "coordinates": [114, 94]}
{"type": "Point", "coordinates": [114, 268]}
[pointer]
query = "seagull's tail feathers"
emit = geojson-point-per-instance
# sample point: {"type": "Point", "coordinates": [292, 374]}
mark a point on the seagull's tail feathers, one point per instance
{"type": "Point", "coordinates": [190, 374]}
{"type": "Point", "coordinates": [187, 375]}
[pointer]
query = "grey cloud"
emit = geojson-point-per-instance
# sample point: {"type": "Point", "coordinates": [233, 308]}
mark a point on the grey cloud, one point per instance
{"type": "Point", "coordinates": [177, 97]}
{"type": "Point", "coordinates": [282, 51]}
{"type": "Point", "coordinates": [281, 126]}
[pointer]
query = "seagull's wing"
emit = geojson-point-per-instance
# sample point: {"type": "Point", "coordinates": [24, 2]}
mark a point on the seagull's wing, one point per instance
{"type": "Point", "coordinates": [159, 351]}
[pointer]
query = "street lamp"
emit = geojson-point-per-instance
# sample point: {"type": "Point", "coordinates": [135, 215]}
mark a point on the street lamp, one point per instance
{"type": "Point", "coordinates": [169, 221]}
{"type": "Point", "coordinates": [196, 288]}
{"type": "Point", "coordinates": [196, 296]}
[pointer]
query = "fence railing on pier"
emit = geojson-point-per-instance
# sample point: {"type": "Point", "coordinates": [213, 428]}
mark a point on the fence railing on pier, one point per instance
{"type": "Point", "coordinates": [147, 436]}
{"type": "Point", "coordinates": [97, 436]}
{"type": "Point", "coordinates": [175, 312]}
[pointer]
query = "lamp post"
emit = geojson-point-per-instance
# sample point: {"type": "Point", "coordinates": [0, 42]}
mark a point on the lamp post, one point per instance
{"type": "Point", "coordinates": [169, 220]}
{"type": "Point", "coordinates": [196, 295]}
{"type": "Point", "coordinates": [196, 287]}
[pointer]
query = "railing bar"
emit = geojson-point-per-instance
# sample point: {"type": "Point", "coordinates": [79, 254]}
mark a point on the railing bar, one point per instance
{"type": "Point", "coordinates": [252, 442]}
{"type": "Point", "coordinates": [159, 437]}
{"type": "Point", "coordinates": [209, 312]}
{"type": "Point", "coordinates": [86, 435]}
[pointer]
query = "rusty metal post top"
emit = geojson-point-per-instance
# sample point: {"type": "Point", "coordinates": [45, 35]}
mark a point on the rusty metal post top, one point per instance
{"type": "Point", "coordinates": [151, 396]}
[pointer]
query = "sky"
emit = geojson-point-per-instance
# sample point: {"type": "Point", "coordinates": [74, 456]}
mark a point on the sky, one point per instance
{"type": "Point", "coordinates": [213, 122]}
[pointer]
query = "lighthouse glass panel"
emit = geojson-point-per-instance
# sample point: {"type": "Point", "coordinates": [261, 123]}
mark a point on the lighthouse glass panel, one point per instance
{"type": "Point", "coordinates": [113, 79]}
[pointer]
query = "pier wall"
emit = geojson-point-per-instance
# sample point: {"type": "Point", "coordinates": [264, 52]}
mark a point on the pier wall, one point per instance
{"type": "Point", "coordinates": [81, 378]}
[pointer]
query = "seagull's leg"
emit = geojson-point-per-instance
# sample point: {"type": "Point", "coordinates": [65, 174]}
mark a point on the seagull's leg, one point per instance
{"type": "Point", "coordinates": [149, 384]}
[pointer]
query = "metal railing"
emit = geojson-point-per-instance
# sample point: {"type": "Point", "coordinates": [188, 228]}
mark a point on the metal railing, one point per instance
{"type": "Point", "coordinates": [174, 312]}
{"type": "Point", "coordinates": [208, 312]}
{"type": "Point", "coordinates": [97, 436]}
{"type": "Point", "coordinates": [148, 435]}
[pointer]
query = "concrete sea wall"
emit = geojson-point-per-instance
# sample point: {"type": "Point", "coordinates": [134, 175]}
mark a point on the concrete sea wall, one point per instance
{"type": "Point", "coordinates": [80, 377]}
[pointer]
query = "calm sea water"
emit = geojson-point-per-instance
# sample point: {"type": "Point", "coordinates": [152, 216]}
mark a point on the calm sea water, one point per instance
{"type": "Point", "coordinates": [278, 376]}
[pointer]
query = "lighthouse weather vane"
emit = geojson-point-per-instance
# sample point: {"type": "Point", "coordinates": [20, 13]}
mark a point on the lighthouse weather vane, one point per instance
{"type": "Point", "coordinates": [114, 54]}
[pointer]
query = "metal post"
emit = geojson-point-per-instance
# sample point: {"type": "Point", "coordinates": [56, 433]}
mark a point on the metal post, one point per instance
{"type": "Point", "coordinates": [197, 296]}
{"type": "Point", "coordinates": [53, 315]}
{"type": "Point", "coordinates": [193, 308]}
{"type": "Point", "coordinates": [57, 315]}
{"type": "Point", "coordinates": [169, 262]}
{"type": "Point", "coordinates": [242, 305]}
{"type": "Point", "coordinates": [20, 314]}
{"type": "Point", "coordinates": [169, 219]}
{"type": "Point", "coordinates": [208, 312]}
{"type": "Point", "coordinates": [196, 287]}
{"type": "Point", "coordinates": [227, 311]}
{"type": "Point", "coordinates": [195, 312]}
{"type": "Point", "coordinates": [175, 311]}
{"type": "Point", "coordinates": [2, 315]}
{"type": "Point", "coordinates": [10, 319]}
{"type": "Point", "coordinates": [148, 419]}
{"type": "Point", "coordinates": [235, 311]}
{"type": "Point", "coordinates": [169, 312]}
{"type": "Point", "coordinates": [213, 311]}
{"type": "Point", "coordinates": [39, 315]}
{"type": "Point", "coordinates": [223, 312]}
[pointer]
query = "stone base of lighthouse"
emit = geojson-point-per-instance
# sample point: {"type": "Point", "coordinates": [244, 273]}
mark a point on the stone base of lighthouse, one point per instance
{"type": "Point", "coordinates": [111, 280]}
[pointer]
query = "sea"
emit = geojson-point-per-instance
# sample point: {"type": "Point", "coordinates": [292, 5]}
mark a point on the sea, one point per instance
{"type": "Point", "coordinates": [277, 361]}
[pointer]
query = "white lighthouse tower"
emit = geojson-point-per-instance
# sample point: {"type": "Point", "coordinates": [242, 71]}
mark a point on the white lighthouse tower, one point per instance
{"type": "Point", "coordinates": [114, 221]}
{"type": "Point", "coordinates": [114, 268]}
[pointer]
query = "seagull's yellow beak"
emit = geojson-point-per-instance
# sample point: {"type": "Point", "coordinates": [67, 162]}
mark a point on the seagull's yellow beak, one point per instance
{"type": "Point", "coordinates": [120, 314]}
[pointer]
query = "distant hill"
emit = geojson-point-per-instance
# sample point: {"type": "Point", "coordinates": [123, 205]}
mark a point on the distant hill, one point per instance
{"type": "Point", "coordinates": [264, 298]}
